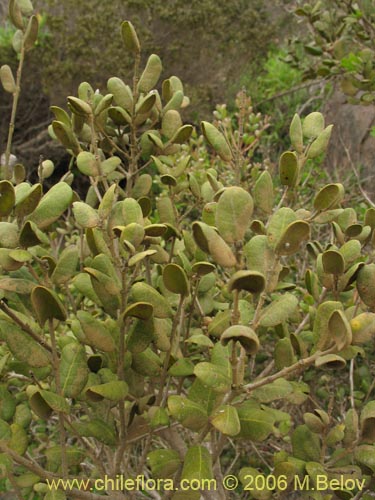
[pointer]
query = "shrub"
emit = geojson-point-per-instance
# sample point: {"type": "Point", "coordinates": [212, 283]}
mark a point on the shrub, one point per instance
{"type": "Point", "coordinates": [138, 339]}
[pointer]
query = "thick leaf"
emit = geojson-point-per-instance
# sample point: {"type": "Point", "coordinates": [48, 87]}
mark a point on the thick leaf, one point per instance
{"type": "Point", "coordinates": [210, 242]}
{"type": "Point", "coordinates": [263, 192]}
{"type": "Point", "coordinates": [23, 347]}
{"type": "Point", "coordinates": [256, 424]}
{"type": "Point", "coordinates": [278, 223]}
{"type": "Point", "coordinates": [197, 464]}
{"type": "Point", "coordinates": [213, 375]}
{"type": "Point", "coordinates": [367, 422]}
{"type": "Point", "coordinates": [163, 463]}
{"type": "Point", "coordinates": [329, 197]}
{"type": "Point", "coordinates": [52, 205]}
{"type": "Point", "coordinates": [340, 329]}
{"type": "Point", "coordinates": [291, 239]}
{"type": "Point", "coordinates": [97, 429]}
{"type": "Point", "coordinates": [85, 215]}
{"type": "Point", "coordinates": [363, 328]}
{"type": "Point", "coordinates": [288, 169]}
{"type": "Point", "coordinates": [233, 214]}
{"type": "Point", "coordinates": [115, 390]}
{"type": "Point", "coordinates": [365, 285]}
{"type": "Point", "coordinates": [217, 140]}
{"type": "Point", "coordinates": [96, 333]}
{"type": "Point", "coordinates": [313, 125]}
{"type": "Point", "coordinates": [66, 265]}
{"type": "Point", "coordinates": [190, 414]}
{"type": "Point", "coordinates": [175, 279]}
{"type": "Point", "coordinates": [321, 329]}
{"type": "Point", "coordinates": [142, 292]}
{"type": "Point", "coordinates": [278, 389]}
{"type": "Point", "coordinates": [279, 310]}
{"type": "Point", "coordinates": [296, 134]}
{"type": "Point", "coordinates": [244, 335]}
{"type": "Point", "coordinates": [365, 455]}
{"type": "Point", "coordinates": [225, 419]}
{"type": "Point", "coordinates": [73, 370]}
{"type": "Point", "coordinates": [141, 335]}
{"type": "Point", "coordinates": [7, 198]}
{"type": "Point", "coordinates": [306, 444]}
{"type": "Point", "coordinates": [47, 305]}
{"type": "Point", "coordinates": [251, 281]}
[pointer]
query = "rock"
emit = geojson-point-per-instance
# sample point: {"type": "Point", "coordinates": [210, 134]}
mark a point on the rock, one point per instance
{"type": "Point", "coordinates": [352, 127]}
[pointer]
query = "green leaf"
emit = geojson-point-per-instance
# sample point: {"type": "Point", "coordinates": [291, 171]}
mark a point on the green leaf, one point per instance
{"type": "Point", "coordinates": [292, 237]}
{"type": "Point", "coordinates": [210, 242]}
{"type": "Point", "coordinates": [263, 192]}
{"type": "Point", "coordinates": [278, 389]}
{"type": "Point", "coordinates": [321, 329]}
{"type": "Point", "coordinates": [55, 401]}
{"type": "Point", "coordinates": [225, 419]}
{"type": "Point", "coordinates": [66, 266]}
{"type": "Point", "coordinates": [244, 335]}
{"type": "Point", "coordinates": [320, 144]}
{"type": "Point", "coordinates": [96, 333]}
{"type": "Point", "coordinates": [31, 33]}
{"type": "Point", "coordinates": [7, 81]}
{"type": "Point", "coordinates": [23, 347]}
{"type": "Point", "coordinates": [329, 197]}
{"type": "Point", "coordinates": [365, 285]}
{"type": "Point", "coordinates": [190, 414]}
{"type": "Point", "coordinates": [217, 140]}
{"type": "Point", "coordinates": [47, 305]}
{"type": "Point", "coordinates": [363, 327]}
{"type": "Point", "coordinates": [97, 429]}
{"type": "Point", "coordinates": [141, 335]}
{"type": "Point", "coordinates": [256, 424]}
{"type": "Point", "coordinates": [73, 370]}
{"type": "Point", "coordinates": [333, 262]}
{"type": "Point", "coordinates": [87, 164]}
{"type": "Point", "coordinates": [213, 375]}
{"type": "Point", "coordinates": [163, 463]}
{"type": "Point", "coordinates": [251, 281]}
{"type": "Point", "coordinates": [52, 205]}
{"type": "Point", "coordinates": [313, 125]}
{"type": "Point", "coordinates": [296, 134]}
{"type": "Point", "coordinates": [175, 279]}
{"type": "Point", "coordinates": [142, 292]}
{"type": "Point", "coordinates": [278, 224]}
{"type": "Point", "coordinates": [183, 367]}
{"type": "Point", "coordinates": [279, 310]}
{"type": "Point", "coordinates": [288, 169]}
{"type": "Point", "coordinates": [197, 464]}
{"type": "Point", "coordinates": [233, 214]}
{"type": "Point", "coordinates": [365, 455]}
{"type": "Point", "coordinates": [116, 390]}
{"type": "Point", "coordinates": [130, 37]}
{"type": "Point", "coordinates": [340, 330]}
{"type": "Point", "coordinates": [27, 198]}
{"type": "Point", "coordinates": [7, 198]}
{"type": "Point", "coordinates": [306, 444]}
{"type": "Point", "coordinates": [85, 215]}
{"type": "Point", "coordinates": [367, 421]}
{"type": "Point", "coordinates": [330, 361]}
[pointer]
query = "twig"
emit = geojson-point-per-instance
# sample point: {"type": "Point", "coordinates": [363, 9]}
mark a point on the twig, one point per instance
{"type": "Point", "coordinates": [302, 363]}
{"type": "Point", "coordinates": [363, 192]}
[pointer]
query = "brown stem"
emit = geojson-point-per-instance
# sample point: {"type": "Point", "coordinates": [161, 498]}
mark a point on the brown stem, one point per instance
{"type": "Point", "coordinates": [302, 363]}
{"type": "Point", "coordinates": [16, 95]}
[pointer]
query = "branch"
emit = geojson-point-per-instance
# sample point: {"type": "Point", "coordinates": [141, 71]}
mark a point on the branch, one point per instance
{"type": "Point", "coordinates": [302, 363]}
{"type": "Point", "coordinates": [39, 471]}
